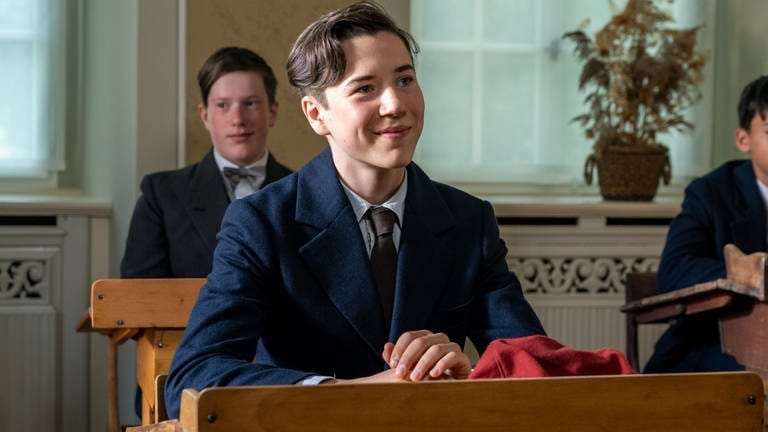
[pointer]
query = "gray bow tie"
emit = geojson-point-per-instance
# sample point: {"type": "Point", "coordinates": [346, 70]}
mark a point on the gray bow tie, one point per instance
{"type": "Point", "coordinates": [252, 174]}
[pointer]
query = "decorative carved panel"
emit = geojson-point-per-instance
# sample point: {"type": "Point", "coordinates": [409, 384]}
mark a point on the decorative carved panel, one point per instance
{"type": "Point", "coordinates": [23, 279]}
{"type": "Point", "coordinates": [577, 275]}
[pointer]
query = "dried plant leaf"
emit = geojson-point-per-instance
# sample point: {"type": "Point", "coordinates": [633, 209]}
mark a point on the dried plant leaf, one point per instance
{"type": "Point", "coordinates": [639, 75]}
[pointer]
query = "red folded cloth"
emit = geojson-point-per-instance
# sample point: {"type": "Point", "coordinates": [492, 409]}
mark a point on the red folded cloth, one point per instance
{"type": "Point", "coordinates": [541, 356]}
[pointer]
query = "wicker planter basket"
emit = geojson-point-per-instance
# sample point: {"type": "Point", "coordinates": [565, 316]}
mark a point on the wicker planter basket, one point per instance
{"type": "Point", "coordinates": [629, 173]}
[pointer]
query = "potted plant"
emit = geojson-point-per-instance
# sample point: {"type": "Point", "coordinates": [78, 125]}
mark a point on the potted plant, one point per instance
{"type": "Point", "coordinates": [639, 77]}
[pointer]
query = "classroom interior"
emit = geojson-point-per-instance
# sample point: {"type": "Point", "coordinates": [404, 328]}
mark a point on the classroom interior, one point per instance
{"type": "Point", "coordinates": [131, 109]}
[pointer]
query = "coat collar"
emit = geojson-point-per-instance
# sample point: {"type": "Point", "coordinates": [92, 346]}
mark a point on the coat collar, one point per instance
{"type": "Point", "coordinates": [205, 197]}
{"type": "Point", "coordinates": [336, 255]}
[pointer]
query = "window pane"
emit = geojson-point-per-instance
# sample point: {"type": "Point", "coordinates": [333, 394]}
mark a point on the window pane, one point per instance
{"type": "Point", "coordinates": [449, 106]}
{"type": "Point", "coordinates": [508, 109]}
{"type": "Point", "coordinates": [17, 117]}
{"type": "Point", "coordinates": [16, 16]}
{"type": "Point", "coordinates": [509, 21]}
{"type": "Point", "coordinates": [447, 20]}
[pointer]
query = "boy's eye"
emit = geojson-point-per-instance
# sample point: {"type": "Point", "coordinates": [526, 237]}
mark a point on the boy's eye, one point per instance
{"type": "Point", "coordinates": [404, 81]}
{"type": "Point", "coordinates": [221, 105]}
{"type": "Point", "coordinates": [365, 89]}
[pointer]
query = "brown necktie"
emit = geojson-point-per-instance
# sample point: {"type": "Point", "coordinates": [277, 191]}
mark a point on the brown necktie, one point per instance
{"type": "Point", "coordinates": [384, 256]}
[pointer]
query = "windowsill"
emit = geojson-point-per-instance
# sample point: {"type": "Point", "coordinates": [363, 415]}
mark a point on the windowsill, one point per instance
{"type": "Point", "coordinates": [62, 202]}
{"type": "Point", "coordinates": [578, 200]}
{"type": "Point", "coordinates": [578, 206]}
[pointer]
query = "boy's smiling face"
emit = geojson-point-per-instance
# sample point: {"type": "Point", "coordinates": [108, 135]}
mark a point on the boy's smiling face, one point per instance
{"type": "Point", "coordinates": [755, 142]}
{"type": "Point", "coordinates": [374, 115]}
{"type": "Point", "coordinates": [238, 116]}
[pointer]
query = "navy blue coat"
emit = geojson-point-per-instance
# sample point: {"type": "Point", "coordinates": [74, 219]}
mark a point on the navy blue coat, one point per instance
{"type": "Point", "coordinates": [176, 219]}
{"type": "Point", "coordinates": [725, 206]}
{"type": "Point", "coordinates": [291, 293]}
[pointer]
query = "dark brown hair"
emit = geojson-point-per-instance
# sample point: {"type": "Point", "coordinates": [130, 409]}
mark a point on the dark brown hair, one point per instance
{"type": "Point", "coordinates": [234, 59]}
{"type": "Point", "coordinates": [753, 101]}
{"type": "Point", "coordinates": [317, 58]}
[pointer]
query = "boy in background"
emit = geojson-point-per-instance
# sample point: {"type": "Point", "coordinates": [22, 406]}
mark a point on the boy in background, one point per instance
{"type": "Point", "coordinates": [728, 205]}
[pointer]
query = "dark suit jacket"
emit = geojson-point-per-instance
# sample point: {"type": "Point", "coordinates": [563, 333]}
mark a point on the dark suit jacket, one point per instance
{"type": "Point", "coordinates": [176, 218]}
{"type": "Point", "coordinates": [291, 293]}
{"type": "Point", "coordinates": [725, 206]}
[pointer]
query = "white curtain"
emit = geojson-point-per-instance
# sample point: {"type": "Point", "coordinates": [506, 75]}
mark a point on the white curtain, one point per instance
{"type": "Point", "coordinates": [32, 88]}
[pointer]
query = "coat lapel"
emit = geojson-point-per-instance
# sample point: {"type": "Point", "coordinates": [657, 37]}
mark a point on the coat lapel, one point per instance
{"type": "Point", "coordinates": [749, 232]}
{"type": "Point", "coordinates": [335, 252]}
{"type": "Point", "coordinates": [423, 254]}
{"type": "Point", "coordinates": [274, 171]}
{"type": "Point", "coordinates": [207, 200]}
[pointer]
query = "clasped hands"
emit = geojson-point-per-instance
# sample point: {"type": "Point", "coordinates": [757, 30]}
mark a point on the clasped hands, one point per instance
{"type": "Point", "coordinates": [420, 356]}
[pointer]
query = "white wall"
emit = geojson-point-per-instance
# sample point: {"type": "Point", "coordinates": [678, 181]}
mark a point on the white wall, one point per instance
{"type": "Point", "coordinates": [130, 70]}
{"type": "Point", "coordinates": [740, 57]}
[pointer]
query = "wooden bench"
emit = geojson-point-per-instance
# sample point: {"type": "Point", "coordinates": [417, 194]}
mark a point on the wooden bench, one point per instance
{"type": "Point", "coordinates": [728, 401]}
{"type": "Point", "coordinates": [154, 312]}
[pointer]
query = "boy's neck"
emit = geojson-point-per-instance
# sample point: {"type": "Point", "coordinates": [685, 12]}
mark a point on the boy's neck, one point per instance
{"type": "Point", "coordinates": [374, 186]}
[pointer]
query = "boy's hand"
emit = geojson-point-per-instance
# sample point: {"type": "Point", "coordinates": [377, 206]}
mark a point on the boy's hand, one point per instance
{"type": "Point", "coordinates": [421, 354]}
{"type": "Point", "coordinates": [387, 376]}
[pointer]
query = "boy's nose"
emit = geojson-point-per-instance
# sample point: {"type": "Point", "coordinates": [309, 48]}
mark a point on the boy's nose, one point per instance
{"type": "Point", "coordinates": [237, 115]}
{"type": "Point", "coordinates": [391, 103]}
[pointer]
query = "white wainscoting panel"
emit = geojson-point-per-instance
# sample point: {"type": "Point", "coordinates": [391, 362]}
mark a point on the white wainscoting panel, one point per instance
{"type": "Point", "coordinates": [45, 275]}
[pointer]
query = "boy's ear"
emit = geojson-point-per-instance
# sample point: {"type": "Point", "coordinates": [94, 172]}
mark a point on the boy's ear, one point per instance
{"type": "Point", "coordinates": [273, 108]}
{"type": "Point", "coordinates": [314, 111]}
{"type": "Point", "coordinates": [741, 139]}
{"type": "Point", "coordinates": [203, 114]}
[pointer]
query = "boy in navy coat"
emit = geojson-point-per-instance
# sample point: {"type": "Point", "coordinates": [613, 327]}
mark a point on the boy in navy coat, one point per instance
{"type": "Point", "coordinates": [728, 205]}
{"type": "Point", "coordinates": [292, 298]}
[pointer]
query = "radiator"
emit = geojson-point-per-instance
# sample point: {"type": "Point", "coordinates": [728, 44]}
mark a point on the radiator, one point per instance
{"type": "Point", "coordinates": [591, 323]}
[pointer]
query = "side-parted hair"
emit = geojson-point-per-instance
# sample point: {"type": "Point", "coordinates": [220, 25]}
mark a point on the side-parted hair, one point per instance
{"type": "Point", "coordinates": [234, 59]}
{"type": "Point", "coordinates": [753, 101]}
{"type": "Point", "coordinates": [317, 59]}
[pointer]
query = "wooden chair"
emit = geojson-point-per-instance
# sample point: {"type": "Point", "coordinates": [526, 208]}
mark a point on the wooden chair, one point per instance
{"type": "Point", "coordinates": [154, 312]}
{"type": "Point", "coordinates": [671, 402]}
{"type": "Point", "coordinates": [638, 285]}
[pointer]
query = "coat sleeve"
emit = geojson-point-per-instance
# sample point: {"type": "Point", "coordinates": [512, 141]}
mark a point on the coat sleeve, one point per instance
{"type": "Point", "coordinates": [228, 319]}
{"type": "Point", "coordinates": [692, 254]}
{"type": "Point", "coordinates": [502, 311]}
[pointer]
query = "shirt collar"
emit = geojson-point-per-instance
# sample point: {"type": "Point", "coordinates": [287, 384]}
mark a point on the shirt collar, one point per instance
{"type": "Point", "coordinates": [225, 163]}
{"type": "Point", "coordinates": [396, 203]}
{"type": "Point", "coordinates": [763, 192]}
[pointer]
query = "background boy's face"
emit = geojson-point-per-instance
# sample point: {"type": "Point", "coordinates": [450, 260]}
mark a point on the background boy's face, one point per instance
{"type": "Point", "coordinates": [755, 142]}
{"type": "Point", "coordinates": [238, 116]}
{"type": "Point", "coordinates": [373, 116]}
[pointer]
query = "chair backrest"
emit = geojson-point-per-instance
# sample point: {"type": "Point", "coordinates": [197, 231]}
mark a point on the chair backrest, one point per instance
{"type": "Point", "coordinates": [143, 303]}
{"type": "Point", "coordinates": [731, 401]}
{"type": "Point", "coordinates": [155, 313]}
{"type": "Point", "coordinates": [638, 285]}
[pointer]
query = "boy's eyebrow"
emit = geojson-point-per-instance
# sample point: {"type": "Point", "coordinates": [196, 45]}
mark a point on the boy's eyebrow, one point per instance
{"type": "Point", "coordinates": [352, 82]}
{"type": "Point", "coordinates": [405, 67]}
{"type": "Point", "coordinates": [251, 96]}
